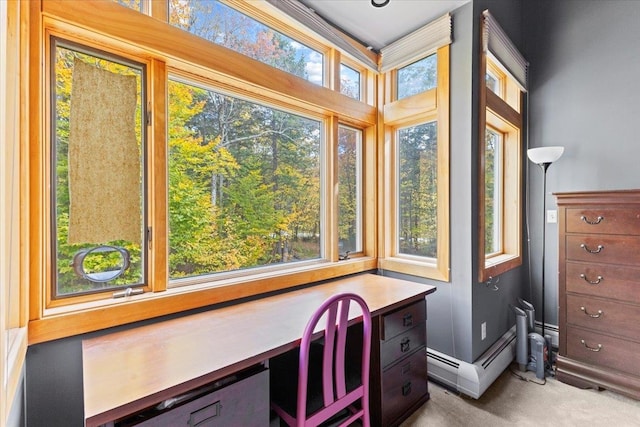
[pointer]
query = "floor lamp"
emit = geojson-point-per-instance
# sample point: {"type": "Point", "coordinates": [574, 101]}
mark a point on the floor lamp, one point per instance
{"type": "Point", "coordinates": [543, 157]}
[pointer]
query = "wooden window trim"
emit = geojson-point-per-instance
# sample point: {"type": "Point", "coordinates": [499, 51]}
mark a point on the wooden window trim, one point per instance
{"type": "Point", "coordinates": [432, 105]}
{"type": "Point", "coordinates": [497, 113]}
{"type": "Point", "coordinates": [14, 218]}
{"type": "Point", "coordinates": [111, 27]}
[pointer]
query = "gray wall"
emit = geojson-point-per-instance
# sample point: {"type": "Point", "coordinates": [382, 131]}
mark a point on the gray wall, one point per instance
{"type": "Point", "coordinates": [458, 308]}
{"type": "Point", "coordinates": [585, 92]}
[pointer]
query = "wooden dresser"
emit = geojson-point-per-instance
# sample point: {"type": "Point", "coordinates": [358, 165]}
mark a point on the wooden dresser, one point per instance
{"type": "Point", "coordinates": [599, 290]}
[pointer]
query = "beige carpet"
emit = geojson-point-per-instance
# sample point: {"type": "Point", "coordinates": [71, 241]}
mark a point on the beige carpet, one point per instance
{"type": "Point", "coordinates": [510, 401]}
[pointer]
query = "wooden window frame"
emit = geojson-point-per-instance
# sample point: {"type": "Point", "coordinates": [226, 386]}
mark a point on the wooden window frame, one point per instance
{"type": "Point", "coordinates": [113, 28]}
{"type": "Point", "coordinates": [432, 105]}
{"type": "Point", "coordinates": [14, 209]}
{"type": "Point", "coordinates": [498, 113]}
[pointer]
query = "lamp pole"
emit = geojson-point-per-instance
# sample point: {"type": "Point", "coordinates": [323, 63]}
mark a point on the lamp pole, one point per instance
{"type": "Point", "coordinates": [543, 157]}
{"type": "Point", "coordinates": [544, 167]}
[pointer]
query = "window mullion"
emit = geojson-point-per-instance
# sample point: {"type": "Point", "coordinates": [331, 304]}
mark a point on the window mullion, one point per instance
{"type": "Point", "coordinates": [157, 191]}
{"type": "Point", "coordinates": [330, 244]}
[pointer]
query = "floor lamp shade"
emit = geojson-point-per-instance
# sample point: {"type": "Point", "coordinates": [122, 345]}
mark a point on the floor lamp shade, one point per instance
{"type": "Point", "coordinates": [542, 155]}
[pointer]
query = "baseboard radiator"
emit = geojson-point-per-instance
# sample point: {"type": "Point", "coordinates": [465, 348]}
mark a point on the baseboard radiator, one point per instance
{"type": "Point", "coordinates": [473, 379]}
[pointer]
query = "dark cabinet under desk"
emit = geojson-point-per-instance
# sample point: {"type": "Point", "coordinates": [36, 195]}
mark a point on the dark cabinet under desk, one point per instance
{"type": "Point", "coordinates": [398, 364]}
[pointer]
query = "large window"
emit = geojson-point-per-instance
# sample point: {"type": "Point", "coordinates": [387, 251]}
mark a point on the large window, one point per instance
{"type": "Point", "coordinates": [166, 179]}
{"type": "Point", "coordinates": [416, 187]}
{"type": "Point", "coordinates": [414, 230]}
{"type": "Point", "coordinates": [500, 173]}
{"type": "Point", "coordinates": [244, 184]}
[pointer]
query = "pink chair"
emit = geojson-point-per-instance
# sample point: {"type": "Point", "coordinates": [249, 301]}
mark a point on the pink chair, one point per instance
{"type": "Point", "coordinates": [327, 383]}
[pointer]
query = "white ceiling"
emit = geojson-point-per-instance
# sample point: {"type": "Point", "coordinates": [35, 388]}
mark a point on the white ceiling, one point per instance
{"type": "Point", "coordinates": [379, 26]}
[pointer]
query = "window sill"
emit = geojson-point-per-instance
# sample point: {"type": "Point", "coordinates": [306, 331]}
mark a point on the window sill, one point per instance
{"type": "Point", "coordinates": [413, 267]}
{"type": "Point", "coordinates": [66, 321]}
{"type": "Point", "coordinates": [497, 265]}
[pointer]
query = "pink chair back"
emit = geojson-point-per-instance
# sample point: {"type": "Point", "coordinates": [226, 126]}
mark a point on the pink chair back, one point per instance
{"type": "Point", "coordinates": [335, 311]}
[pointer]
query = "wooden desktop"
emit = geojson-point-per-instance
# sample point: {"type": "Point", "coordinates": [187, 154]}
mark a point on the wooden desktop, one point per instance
{"type": "Point", "coordinates": [128, 371]}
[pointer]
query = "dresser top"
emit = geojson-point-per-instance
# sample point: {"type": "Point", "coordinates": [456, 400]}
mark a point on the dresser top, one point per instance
{"type": "Point", "coordinates": [599, 197]}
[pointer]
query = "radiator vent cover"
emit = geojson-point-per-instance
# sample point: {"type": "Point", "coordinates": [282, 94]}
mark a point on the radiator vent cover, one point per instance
{"type": "Point", "coordinates": [473, 379]}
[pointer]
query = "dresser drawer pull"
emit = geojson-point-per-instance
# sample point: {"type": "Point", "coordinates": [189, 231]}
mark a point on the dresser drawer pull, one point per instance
{"type": "Point", "coordinates": [597, 221]}
{"type": "Point", "coordinates": [406, 388]}
{"type": "Point", "coordinates": [407, 320]}
{"type": "Point", "coordinates": [405, 345]}
{"type": "Point", "coordinates": [592, 251]}
{"type": "Point", "coordinates": [591, 348]}
{"type": "Point", "coordinates": [592, 282]}
{"type": "Point", "coordinates": [595, 316]}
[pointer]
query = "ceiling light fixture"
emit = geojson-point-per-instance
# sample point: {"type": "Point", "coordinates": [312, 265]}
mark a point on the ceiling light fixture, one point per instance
{"type": "Point", "coordinates": [378, 3]}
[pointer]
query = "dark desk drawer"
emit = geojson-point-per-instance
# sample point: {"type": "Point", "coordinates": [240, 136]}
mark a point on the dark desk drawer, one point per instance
{"type": "Point", "coordinates": [403, 385]}
{"type": "Point", "coordinates": [603, 350]}
{"type": "Point", "coordinates": [606, 316]}
{"type": "Point", "coordinates": [404, 319]}
{"type": "Point", "coordinates": [403, 344]}
{"type": "Point", "coordinates": [244, 403]}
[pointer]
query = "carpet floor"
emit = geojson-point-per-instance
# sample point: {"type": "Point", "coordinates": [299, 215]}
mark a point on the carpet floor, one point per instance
{"type": "Point", "coordinates": [512, 401]}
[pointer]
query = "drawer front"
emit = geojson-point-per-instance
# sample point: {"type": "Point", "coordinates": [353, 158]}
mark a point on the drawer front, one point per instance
{"type": "Point", "coordinates": [603, 221]}
{"type": "Point", "coordinates": [603, 249]}
{"type": "Point", "coordinates": [604, 316]}
{"type": "Point", "coordinates": [404, 319]}
{"type": "Point", "coordinates": [607, 281]}
{"type": "Point", "coordinates": [403, 344]}
{"type": "Point", "coordinates": [403, 385]}
{"type": "Point", "coordinates": [245, 403]}
{"type": "Point", "coordinates": [602, 350]}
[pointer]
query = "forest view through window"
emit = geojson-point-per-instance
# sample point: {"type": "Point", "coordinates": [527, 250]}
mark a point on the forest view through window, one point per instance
{"type": "Point", "coordinates": [350, 190]}
{"type": "Point", "coordinates": [418, 77]}
{"type": "Point", "coordinates": [418, 190]}
{"type": "Point", "coordinates": [220, 24]}
{"type": "Point", "coordinates": [493, 192]}
{"type": "Point", "coordinates": [244, 184]}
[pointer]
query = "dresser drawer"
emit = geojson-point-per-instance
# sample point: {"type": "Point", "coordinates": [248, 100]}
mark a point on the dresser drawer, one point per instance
{"type": "Point", "coordinates": [404, 384]}
{"type": "Point", "coordinates": [403, 344]}
{"type": "Point", "coordinates": [603, 249]}
{"type": "Point", "coordinates": [596, 220]}
{"type": "Point", "coordinates": [603, 280]}
{"type": "Point", "coordinates": [604, 315]}
{"type": "Point", "coordinates": [602, 350]}
{"type": "Point", "coordinates": [404, 319]}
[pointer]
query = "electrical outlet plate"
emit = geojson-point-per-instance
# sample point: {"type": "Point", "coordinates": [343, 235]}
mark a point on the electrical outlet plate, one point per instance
{"type": "Point", "coordinates": [483, 330]}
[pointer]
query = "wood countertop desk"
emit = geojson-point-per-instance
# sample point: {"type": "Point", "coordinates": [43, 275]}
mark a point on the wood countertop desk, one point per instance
{"type": "Point", "coordinates": [128, 371]}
